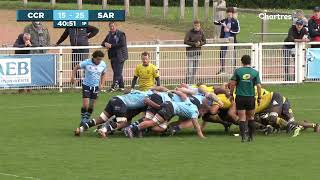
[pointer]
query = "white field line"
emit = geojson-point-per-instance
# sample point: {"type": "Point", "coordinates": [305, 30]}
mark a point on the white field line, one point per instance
{"type": "Point", "coordinates": [16, 176]}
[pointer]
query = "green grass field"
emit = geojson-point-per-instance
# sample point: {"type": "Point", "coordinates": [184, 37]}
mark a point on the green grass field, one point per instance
{"type": "Point", "coordinates": [37, 141]}
{"type": "Point", "coordinates": [250, 23]}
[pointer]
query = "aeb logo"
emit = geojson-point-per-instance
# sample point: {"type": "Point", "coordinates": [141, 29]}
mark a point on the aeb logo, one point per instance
{"type": "Point", "coordinates": [13, 68]}
{"type": "Point", "coordinates": [15, 71]}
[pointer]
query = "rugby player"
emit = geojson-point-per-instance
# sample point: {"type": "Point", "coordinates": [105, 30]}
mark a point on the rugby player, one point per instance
{"type": "Point", "coordinates": [280, 115]}
{"type": "Point", "coordinates": [95, 75]}
{"type": "Point", "coordinates": [201, 99]}
{"type": "Point", "coordinates": [185, 110]}
{"type": "Point", "coordinates": [159, 96]}
{"type": "Point", "coordinates": [243, 81]}
{"type": "Point", "coordinates": [118, 113]}
{"type": "Point", "coordinates": [146, 73]}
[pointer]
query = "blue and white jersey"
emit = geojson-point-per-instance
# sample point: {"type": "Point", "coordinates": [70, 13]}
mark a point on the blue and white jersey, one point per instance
{"type": "Point", "coordinates": [135, 99]}
{"type": "Point", "coordinates": [92, 72]}
{"type": "Point", "coordinates": [176, 98]}
{"type": "Point", "coordinates": [185, 109]}
{"type": "Point", "coordinates": [200, 97]}
{"type": "Point", "coordinates": [164, 96]}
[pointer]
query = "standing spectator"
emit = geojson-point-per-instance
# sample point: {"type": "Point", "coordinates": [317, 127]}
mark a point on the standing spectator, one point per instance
{"type": "Point", "coordinates": [23, 40]}
{"type": "Point", "coordinates": [243, 81]}
{"type": "Point", "coordinates": [195, 38]}
{"type": "Point", "coordinates": [314, 27]}
{"type": "Point", "coordinates": [230, 27]}
{"type": "Point", "coordinates": [116, 44]}
{"type": "Point", "coordinates": [78, 37]}
{"type": "Point", "coordinates": [39, 35]}
{"type": "Point", "coordinates": [297, 33]}
{"type": "Point", "coordinates": [147, 73]}
{"type": "Point", "coordinates": [299, 15]}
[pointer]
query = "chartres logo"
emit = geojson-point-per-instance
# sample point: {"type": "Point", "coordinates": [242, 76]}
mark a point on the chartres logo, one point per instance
{"type": "Point", "coordinates": [266, 16]}
{"type": "Point", "coordinates": [15, 71]}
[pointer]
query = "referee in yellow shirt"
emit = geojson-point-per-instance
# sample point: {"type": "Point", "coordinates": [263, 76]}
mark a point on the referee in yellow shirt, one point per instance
{"type": "Point", "coordinates": [147, 73]}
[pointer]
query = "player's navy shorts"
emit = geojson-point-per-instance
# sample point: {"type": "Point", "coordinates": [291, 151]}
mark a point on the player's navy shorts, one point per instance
{"type": "Point", "coordinates": [116, 107]}
{"type": "Point", "coordinates": [287, 112]}
{"type": "Point", "coordinates": [277, 100]}
{"type": "Point", "coordinates": [166, 111]}
{"type": "Point", "coordinates": [245, 103]}
{"type": "Point", "coordinates": [90, 92]}
{"type": "Point", "coordinates": [131, 113]}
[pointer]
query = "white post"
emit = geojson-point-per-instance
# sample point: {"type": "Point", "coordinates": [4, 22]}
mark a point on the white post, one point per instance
{"type": "Point", "coordinates": [104, 4]}
{"type": "Point", "coordinates": [165, 8]}
{"type": "Point", "coordinates": [53, 3]}
{"type": "Point", "coordinates": [79, 2]}
{"type": "Point", "coordinates": [260, 69]}
{"type": "Point", "coordinates": [25, 2]}
{"type": "Point", "coordinates": [147, 8]}
{"type": "Point", "coordinates": [300, 65]}
{"type": "Point", "coordinates": [158, 56]}
{"type": "Point", "coordinates": [60, 69]}
{"type": "Point", "coordinates": [126, 7]}
{"type": "Point", "coordinates": [195, 9]}
{"type": "Point", "coordinates": [206, 9]}
{"type": "Point", "coordinates": [182, 8]}
{"type": "Point", "coordinates": [255, 55]}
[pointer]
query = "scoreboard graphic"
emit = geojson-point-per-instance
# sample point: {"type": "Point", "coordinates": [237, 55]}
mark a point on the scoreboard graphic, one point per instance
{"type": "Point", "coordinates": [70, 18]}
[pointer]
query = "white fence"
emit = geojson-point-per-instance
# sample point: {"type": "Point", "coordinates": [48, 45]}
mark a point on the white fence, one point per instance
{"type": "Point", "coordinates": [275, 63]}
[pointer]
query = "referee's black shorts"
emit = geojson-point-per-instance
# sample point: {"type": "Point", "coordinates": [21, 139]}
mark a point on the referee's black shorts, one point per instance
{"type": "Point", "coordinates": [245, 103]}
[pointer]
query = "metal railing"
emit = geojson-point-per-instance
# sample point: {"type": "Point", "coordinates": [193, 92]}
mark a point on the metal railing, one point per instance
{"type": "Point", "coordinates": [275, 63]}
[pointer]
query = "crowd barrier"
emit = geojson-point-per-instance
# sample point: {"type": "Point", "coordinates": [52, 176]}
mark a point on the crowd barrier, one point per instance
{"type": "Point", "coordinates": [276, 63]}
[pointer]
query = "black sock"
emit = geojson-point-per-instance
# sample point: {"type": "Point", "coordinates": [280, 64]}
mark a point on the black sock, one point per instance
{"type": "Point", "coordinates": [243, 128]}
{"type": "Point", "coordinates": [83, 112]}
{"type": "Point", "coordinates": [135, 129]}
{"type": "Point", "coordinates": [90, 124]}
{"type": "Point", "coordinates": [111, 126]}
{"type": "Point", "coordinates": [90, 111]}
{"type": "Point", "coordinates": [177, 128]}
{"type": "Point", "coordinates": [252, 127]}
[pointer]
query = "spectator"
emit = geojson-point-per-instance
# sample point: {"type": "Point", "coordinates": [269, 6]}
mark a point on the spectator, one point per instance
{"type": "Point", "coordinates": [146, 72]}
{"type": "Point", "coordinates": [78, 37]}
{"type": "Point", "coordinates": [39, 35]}
{"type": "Point", "coordinates": [23, 40]}
{"type": "Point", "coordinates": [195, 38]}
{"type": "Point", "coordinates": [297, 33]}
{"type": "Point", "coordinates": [299, 15]}
{"type": "Point", "coordinates": [314, 27]}
{"type": "Point", "coordinates": [230, 27]}
{"type": "Point", "coordinates": [116, 44]}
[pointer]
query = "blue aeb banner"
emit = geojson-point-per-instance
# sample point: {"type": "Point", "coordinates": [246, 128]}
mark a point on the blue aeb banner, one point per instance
{"type": "Point", "coordinates": [313, 63]}
{"type": "Point", "coordinates": [27, 70]}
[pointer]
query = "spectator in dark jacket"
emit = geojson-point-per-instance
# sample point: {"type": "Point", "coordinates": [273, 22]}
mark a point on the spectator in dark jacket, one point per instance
{"type": "Point", "coordinates": [195, 38]}
{"type": "Point", "coordinates": [78, 37]}
{"type": "Point", "coordinates": [230, 27]}
{"type": "Point", "coordinates": [297, 33]}
{"type": "Point", "coordinates": [116, 44]}
{"type": "Point", "coordinates": [23, 40]}
{"type": "Point", "coordinates": [314, 27]}
{"type": "Point", "coordinates": [39, 35]}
